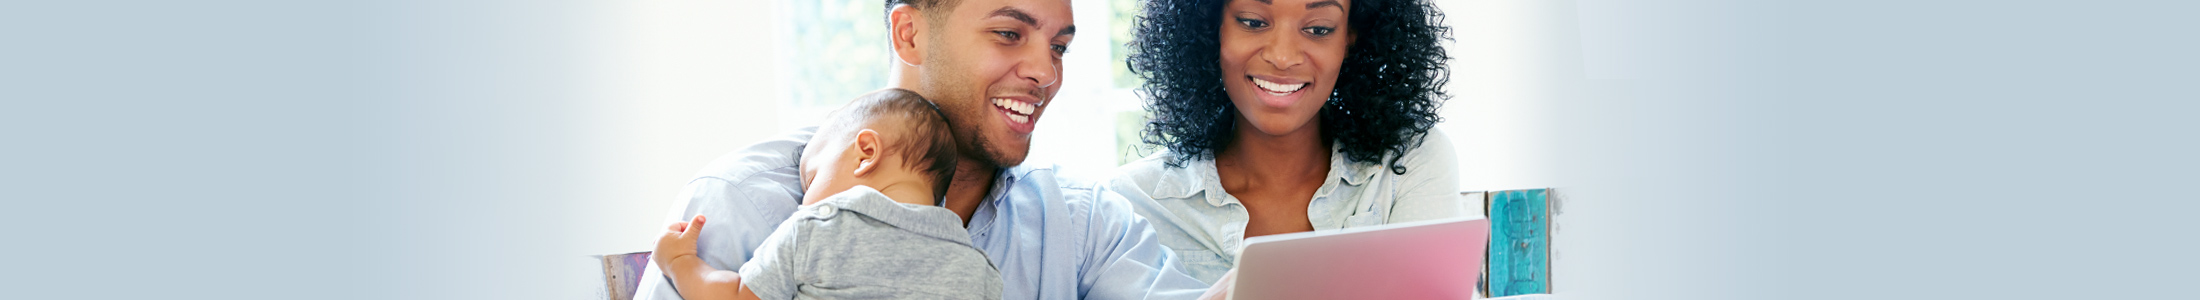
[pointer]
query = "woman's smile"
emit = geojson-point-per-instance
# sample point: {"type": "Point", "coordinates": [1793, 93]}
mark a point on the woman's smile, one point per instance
{"type": "Point", "coordinates": [1278, 92]}
{"type": "Point", "coordinates": [1274, 88]}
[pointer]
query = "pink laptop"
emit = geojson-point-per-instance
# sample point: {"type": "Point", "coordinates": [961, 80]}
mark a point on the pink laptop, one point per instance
{"type": "Point", "coordinates": [1436, 259]}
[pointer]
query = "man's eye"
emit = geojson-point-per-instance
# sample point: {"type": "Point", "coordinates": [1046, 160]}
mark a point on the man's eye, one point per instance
{"type": "Point", "coordinates": [1252, 23]}
{"type": "Point", "coordinates": [1059, 49]}
{"type": "Point", "coordinates": [1320, 31]}
{"type": "Point", "coordinates": [1010, 35]}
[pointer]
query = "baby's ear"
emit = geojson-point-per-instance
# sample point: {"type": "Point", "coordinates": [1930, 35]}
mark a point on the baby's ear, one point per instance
{"type": "Point", "coordinates": [867, 152]}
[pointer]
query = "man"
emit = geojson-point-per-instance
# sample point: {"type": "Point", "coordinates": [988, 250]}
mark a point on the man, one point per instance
{"type": "Point", "coordinates": [992, 66]}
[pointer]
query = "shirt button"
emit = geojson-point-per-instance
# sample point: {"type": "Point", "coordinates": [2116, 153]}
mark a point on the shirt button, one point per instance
{"type": "Point", "coordinates": [826, 211]}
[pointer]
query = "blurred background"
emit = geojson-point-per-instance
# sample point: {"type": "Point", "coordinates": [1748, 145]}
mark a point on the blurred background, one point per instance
{"type": "Point", "coordinates": [483, 149]}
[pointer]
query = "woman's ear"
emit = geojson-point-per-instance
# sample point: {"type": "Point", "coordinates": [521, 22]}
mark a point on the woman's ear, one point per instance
{"type": "Point", "coordinates": [1351, 37]}
{"type": "Point", "coordinates": [904, 22]}
{"type": "Point", "coordinates": [867, 152]}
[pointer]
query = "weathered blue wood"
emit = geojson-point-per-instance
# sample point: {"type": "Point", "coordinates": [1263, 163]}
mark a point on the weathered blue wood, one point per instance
{"type": "Point", "coordinates": [622, 273]}
{"type": "Point", "coordinates": [1520, 243]}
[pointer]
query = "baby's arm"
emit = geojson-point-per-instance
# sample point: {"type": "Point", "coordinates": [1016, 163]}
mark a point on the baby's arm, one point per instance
{"type": "Point", "coordinates": [694, 279]}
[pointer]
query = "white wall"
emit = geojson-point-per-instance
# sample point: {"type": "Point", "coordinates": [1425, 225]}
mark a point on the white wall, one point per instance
{"type": "Point", "coordinates": [1610, 103]}
{"type": "Point", "coordinates": [538, 133]}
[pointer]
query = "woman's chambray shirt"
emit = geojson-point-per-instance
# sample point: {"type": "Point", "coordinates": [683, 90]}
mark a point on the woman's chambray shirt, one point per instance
{"type": "Point", "coordinates": [1205, 226]}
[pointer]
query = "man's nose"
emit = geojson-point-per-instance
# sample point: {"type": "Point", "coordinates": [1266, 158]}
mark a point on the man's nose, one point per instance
{"type": "Point", "coordinates": [1039, 67]}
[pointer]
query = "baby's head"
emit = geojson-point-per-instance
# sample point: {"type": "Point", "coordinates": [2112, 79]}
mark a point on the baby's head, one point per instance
{"type": "Point", "coordinates": [889, 139]}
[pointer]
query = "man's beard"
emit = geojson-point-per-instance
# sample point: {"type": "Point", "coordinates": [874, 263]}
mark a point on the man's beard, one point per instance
{"type": "Point", "coordinates": [971, 137]}
{"type": "Point", "coordinates": [973, 146]}
{"type": "Point", "coordinates": [966, 111]}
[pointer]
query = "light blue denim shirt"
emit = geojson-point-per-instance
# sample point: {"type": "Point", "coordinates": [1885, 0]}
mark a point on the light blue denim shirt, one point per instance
{"type": "Point", "coordinates": [1051, 238]}
{"type": "Point", "coordinates": [1206, 226]}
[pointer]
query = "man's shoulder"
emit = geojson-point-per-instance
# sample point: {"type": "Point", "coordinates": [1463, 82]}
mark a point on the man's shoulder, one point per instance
{"type": "Point", "coordinates": [1087, 196]}
{"type": "Point", "coordinates": [779, 154]}
{"type": "Point", "coordinates": [746, 194]}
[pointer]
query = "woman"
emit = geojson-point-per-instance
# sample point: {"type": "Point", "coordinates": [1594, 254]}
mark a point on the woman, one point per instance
{"type": "Point", "coordinates": [1286, 116]}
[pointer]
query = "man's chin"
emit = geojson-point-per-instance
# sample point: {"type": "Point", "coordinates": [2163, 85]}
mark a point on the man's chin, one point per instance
{"type": "Point", "coordinates": [1005, 156]}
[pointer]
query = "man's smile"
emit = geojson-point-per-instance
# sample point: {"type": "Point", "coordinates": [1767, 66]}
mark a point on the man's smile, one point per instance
{"type": "Point", "coordinates": [1018, 111]}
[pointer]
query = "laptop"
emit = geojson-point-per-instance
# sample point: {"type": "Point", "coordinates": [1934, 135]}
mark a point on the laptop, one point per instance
{"type": "Point", "coordinates": [1434, 259]}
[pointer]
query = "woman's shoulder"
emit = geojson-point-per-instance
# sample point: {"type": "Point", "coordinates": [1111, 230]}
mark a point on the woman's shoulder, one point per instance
{"type": "Point", "coordinates": [1434, 146]}
{"type": "Point", "coordinates": [1155, 163]}
{"type": "Point", "coordinates": [1433, 160]}
{"type": "Point", "coordinates": [1433, 156]}
{"type": "Point", "coordinates": [1153, 176]}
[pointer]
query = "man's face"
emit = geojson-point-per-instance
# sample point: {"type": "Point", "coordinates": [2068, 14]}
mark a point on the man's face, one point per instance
{"type": "Point", "coordinates": [993, 66]}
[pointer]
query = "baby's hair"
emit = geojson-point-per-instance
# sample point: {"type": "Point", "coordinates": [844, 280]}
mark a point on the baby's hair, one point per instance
{"type": "Point", "coordinates": [928, 144]}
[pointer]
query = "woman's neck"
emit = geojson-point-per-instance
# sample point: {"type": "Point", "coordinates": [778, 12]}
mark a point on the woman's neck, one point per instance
{"type": "Point", "coordinates": [1287, 161]}
{"type": "Point", "coordinates": [1274, 176]}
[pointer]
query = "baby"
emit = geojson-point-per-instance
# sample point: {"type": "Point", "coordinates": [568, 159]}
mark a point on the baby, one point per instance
{"type": "Point", "coordinates": [869, 226]}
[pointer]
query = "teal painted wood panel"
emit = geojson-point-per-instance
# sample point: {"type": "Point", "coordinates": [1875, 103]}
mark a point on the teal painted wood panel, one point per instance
{"type": "Point", "coordinates": [1520, 243]}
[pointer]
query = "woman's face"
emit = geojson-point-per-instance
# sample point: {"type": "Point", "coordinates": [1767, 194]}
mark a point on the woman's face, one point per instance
{"type": "Point", "coordinates": [1280, 59]}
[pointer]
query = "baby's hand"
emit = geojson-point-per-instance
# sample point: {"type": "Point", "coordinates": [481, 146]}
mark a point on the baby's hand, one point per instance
{"type": "Point", "coordinates": [678, 242]}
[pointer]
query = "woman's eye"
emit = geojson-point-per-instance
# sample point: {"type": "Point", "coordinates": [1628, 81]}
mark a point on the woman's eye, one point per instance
{"type": "Point", "coordinates": [1252, 23]}
{"type": "Point", "coordinates": [1320, 31]}
{"type": "Point", "coordinates": [1010, 35]}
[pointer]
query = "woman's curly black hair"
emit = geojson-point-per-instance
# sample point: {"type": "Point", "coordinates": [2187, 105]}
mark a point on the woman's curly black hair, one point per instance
{"type": "Point", "coordinates": [1386, 98]}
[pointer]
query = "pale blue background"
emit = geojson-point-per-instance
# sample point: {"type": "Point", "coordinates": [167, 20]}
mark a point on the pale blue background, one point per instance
{"type": "Point", "coordinates": [1710, 149]}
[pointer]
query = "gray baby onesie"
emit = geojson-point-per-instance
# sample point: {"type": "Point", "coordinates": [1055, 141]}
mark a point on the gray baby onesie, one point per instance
{"type": "Point", "coordinates": [859, 244]}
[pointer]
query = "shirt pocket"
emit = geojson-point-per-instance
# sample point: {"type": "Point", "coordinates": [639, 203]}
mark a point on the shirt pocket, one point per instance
{"type": "Point", "coordinates": [1370, 206]}
{"type": "Point", "coordinates": [1365, 218]}
{"type": "Point", "coordinates": [1202, 264]}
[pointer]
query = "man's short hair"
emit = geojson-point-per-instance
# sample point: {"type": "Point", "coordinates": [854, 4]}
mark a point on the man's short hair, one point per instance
{"type": "Point", "coordinates": [924, 6]}
{"type": "Point", "coordinates": [925, 143]}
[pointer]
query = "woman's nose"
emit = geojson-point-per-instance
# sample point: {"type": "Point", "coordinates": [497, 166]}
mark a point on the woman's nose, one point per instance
{"type": "Point", "coordinates": [1283, 50]}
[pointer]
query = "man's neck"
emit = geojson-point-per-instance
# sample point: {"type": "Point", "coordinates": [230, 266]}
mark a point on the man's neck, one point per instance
{"type": "Point", "coordinates": [905, 77]}
{"type": "Point", "coordinates": [972, 181]}
{"type": "Point", "coordinates": [1260, 159]}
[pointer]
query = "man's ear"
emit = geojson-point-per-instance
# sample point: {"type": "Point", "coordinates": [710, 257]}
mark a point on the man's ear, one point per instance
{"type": "Point", "coordinates": [867, 152]}
{"type": "Point", "coordinates": [905, 21]}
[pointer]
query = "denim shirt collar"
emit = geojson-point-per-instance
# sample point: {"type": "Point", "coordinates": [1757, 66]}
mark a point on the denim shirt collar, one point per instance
{"type": "Point", "coordinates": [1199, 175]}
{"type": "Point", "coordinates": [996, 198]}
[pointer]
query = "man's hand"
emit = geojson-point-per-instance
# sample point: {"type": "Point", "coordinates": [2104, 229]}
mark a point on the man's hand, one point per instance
{"type": "Point", "coordinates": [1221, 290]}
{"type": "Point", "coordinates": [677, 243]}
